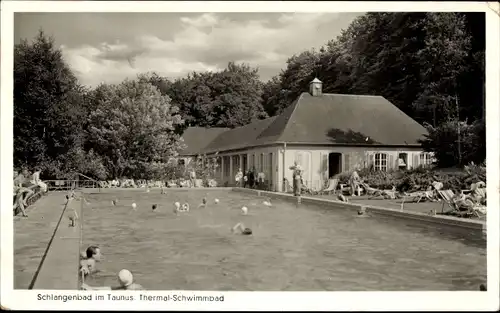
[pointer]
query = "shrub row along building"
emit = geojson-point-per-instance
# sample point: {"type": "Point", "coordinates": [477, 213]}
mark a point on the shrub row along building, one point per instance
{"type": "Point", "coordinates": [325, 133]}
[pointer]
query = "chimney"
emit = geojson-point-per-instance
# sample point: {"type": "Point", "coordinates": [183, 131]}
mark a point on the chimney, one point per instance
{"type": "Point", "coordinates": [315, 88]}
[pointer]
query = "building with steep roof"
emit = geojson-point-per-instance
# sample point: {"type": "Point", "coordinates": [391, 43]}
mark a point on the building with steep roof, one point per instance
{"type": "Point", "coordinates": [325, 133]}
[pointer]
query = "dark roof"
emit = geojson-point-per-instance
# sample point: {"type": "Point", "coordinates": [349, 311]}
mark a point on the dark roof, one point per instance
{"type": "Point", "coordinates": [349, 119]}
{"type": "Point", "coordinates": [329, 119]}
{"type": "Point", "coordinates": [240, 137]}
{"type": "Point", "coordinates": [197, 139]}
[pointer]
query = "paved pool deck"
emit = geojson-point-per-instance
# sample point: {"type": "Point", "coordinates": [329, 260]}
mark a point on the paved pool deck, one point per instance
{"type": "Point", "coordinates": [45, 245]}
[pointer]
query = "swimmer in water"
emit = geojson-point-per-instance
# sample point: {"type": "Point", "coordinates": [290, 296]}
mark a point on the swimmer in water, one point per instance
{"type": "Point", "coordinates": [185, 207]}
{"type": "Point", "coordinates": [362, 212]}
{"type": "Point", "coordinates": [88, 262]}
{"type": "Point", "coordinates": [126, 280]}
{"type": "Point", "coordinates": [177, 207]}
{"type": "Point", "coordinates": [482, 287]}
{"type": "Point", "coordinates": [154, 207]}
{"type": "Point", "coordinates": [241, 229]}
{"type": "Point", "coordinates": [203, 203]}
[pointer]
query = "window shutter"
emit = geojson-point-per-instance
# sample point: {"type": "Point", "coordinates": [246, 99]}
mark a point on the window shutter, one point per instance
{"type": "Point", "coordinates": [305, 162]}
{"type": "Point", "coordinates": [416, 158]}
{"type": "Point", "coordinates": [347, 162]}
{"type": "Point", "coordinates": [372, 160]}
{"type": "Point", "coordinates": [390, 162]}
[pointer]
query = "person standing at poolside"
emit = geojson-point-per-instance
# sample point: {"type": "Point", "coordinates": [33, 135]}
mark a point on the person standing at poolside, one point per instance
{"type": "Point", "coordinates": [251, 177]}
{"type": "Point", "coordinates": [239, 178]}
{"type": "Point", "coordinates": [297, 178]}
{"type": "Point", "coordinates": [354, 181]}
{"type": "Point", "coordinates": [192, 177]}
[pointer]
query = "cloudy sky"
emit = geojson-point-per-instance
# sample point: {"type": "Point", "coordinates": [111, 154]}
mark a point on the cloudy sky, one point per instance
{"type": "Point", "coordinates": [108, 47]}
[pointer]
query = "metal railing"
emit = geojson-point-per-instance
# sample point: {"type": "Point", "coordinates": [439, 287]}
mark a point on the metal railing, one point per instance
{"type": "Point", "coordinates": [53, 185]}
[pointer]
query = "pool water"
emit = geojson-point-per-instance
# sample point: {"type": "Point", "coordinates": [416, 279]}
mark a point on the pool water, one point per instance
{"type": "Point", "coordinates": [293, 248]}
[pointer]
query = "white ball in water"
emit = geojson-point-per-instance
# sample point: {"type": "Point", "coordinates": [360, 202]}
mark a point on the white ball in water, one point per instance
{"type": "Point", "coordinates": [216, 200]}
{"type": "Point", "coordinates": [244, 210]}
{"type": "Point", "coordinates": [134, 205]}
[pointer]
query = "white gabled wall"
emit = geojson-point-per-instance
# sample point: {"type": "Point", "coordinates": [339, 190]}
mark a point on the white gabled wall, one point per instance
{"type": "Point", "coordinates": [314, 160]}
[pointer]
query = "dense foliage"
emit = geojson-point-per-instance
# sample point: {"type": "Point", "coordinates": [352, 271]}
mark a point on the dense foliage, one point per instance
{"type": "Point", "coordinates": [430, 65]}
{"type": "Point", "coordinates": [421, 178]}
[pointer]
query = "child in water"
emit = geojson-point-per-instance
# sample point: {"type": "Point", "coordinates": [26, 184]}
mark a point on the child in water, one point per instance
{"type": "Point", "coordinates": [241, 229]}
{"type": "Point", "coordinates": [126, 280]}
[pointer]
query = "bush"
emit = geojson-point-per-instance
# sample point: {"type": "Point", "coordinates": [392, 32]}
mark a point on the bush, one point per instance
{"type": "Point", "coordinates": [420, 178]}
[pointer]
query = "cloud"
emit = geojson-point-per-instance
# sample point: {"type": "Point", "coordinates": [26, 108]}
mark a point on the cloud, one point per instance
{"type": "Point", "coordinates": [206, 42]}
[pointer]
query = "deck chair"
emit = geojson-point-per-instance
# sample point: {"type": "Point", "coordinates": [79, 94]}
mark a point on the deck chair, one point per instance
{"type": "Point", "coordinates": [449, 198]}
{"type": "Point", "coordinates": [370, 191]}
{"type": "Point", "coordinates": [332, 186]}
{"type": "Point", "coordinates": [479, 195]}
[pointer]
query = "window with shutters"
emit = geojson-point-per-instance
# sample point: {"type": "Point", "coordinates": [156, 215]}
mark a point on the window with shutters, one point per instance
{"type": "Point", "coordinates": [380, 162]}
{"type": "Point", "coordinates": [425, 159]}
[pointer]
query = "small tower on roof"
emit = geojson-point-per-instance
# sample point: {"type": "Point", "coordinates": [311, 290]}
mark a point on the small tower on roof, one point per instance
{"type": "Point", "coordinates": [316, 87]}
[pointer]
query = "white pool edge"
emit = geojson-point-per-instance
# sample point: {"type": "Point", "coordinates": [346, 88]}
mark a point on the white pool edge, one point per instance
{"type": "Point", "coordinates": [430, 220]}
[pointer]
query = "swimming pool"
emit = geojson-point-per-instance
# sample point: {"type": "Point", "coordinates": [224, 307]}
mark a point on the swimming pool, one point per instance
{"type": "Point", "coordinates": [293, 248]}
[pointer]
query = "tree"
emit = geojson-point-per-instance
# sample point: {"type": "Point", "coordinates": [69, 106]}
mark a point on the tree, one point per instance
{"type": "Point", "coordinates": [134, 129]}
{"type": "Point", "coordinates": [228, 98]}
{"type": "Point", "coordinates": [443, 141]}
{"type": "Point", "coordinates": [443, 60]}
{"type": "Point", "coordinates": [47, 103]}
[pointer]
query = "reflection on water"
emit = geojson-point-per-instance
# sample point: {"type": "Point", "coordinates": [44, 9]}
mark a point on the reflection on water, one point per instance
{"type": "Point", "coordinates": [293, 247]}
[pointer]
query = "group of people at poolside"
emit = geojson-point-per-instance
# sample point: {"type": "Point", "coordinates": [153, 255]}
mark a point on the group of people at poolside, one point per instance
{"type": "Point", "coordinates": [250, 179]}
{"type": "Point", "coordinates": [25, 186]}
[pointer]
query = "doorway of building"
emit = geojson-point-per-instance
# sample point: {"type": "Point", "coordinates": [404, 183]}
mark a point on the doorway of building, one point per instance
{"type": "Point", "coordinates": [334, 164]}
